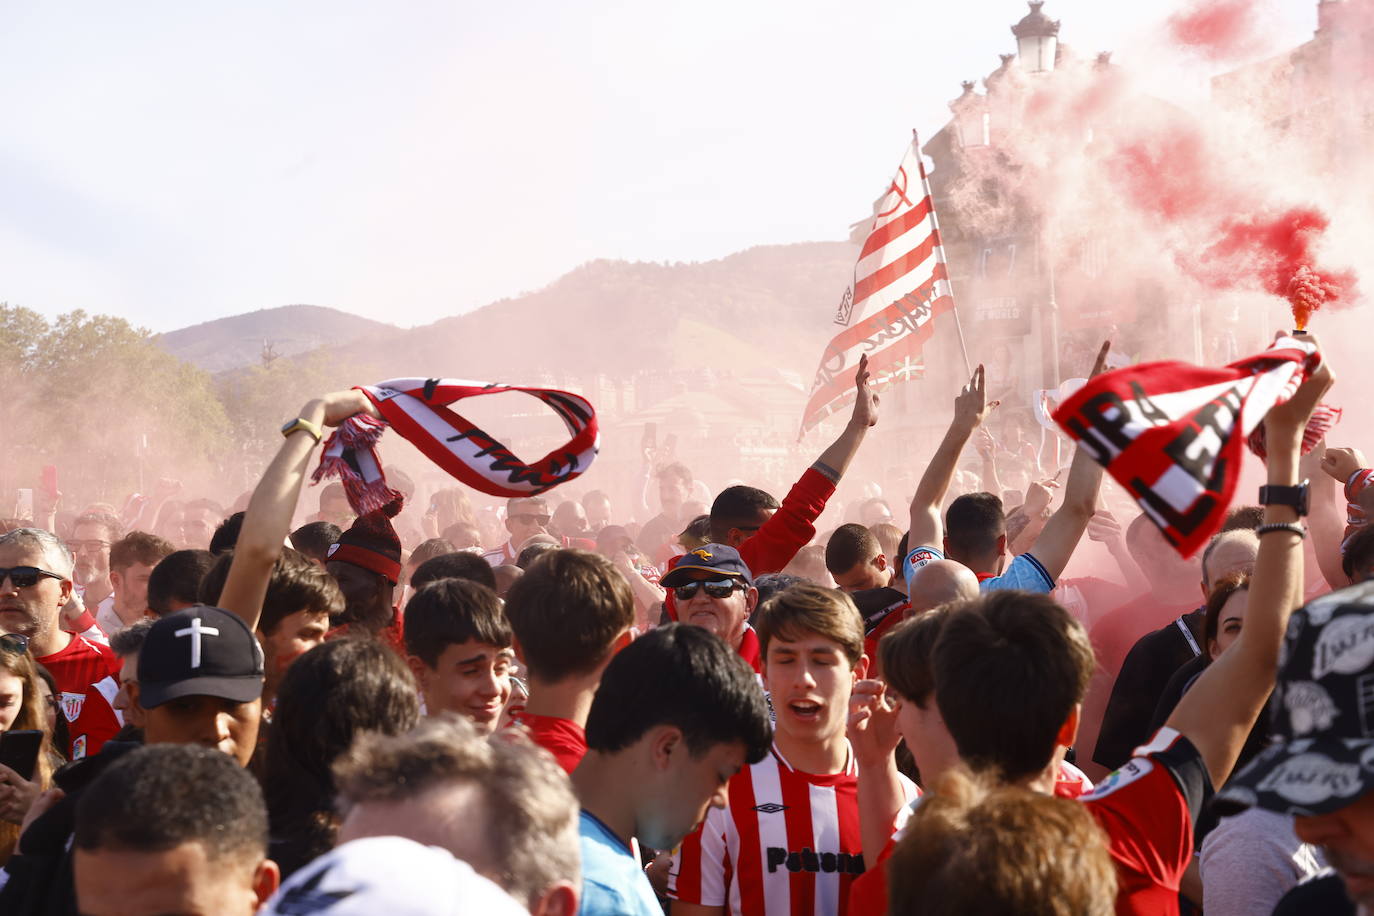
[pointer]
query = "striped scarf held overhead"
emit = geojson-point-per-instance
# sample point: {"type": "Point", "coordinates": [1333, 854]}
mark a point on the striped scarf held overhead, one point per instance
{"type": "Point", "coordinates": [1173, 434]}
{"type": "Point", "coordinates": [417, 408]}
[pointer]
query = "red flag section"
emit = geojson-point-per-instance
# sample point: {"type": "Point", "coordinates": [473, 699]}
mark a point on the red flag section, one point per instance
{"type": "Point", "coordinates": [900, 285]}
{"type": "Point", "coordinates": [1173, 434]}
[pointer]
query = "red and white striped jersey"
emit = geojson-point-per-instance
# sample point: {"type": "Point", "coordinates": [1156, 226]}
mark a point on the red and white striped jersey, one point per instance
{"type": "Point", "coordinates": [788, 842]}
{"type": "Point", "coordinates": [87, 676]}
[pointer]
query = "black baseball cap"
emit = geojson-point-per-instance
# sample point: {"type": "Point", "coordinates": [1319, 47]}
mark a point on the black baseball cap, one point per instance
{"type": "Point", "coordinates": [199, 651]}
{"type": "Point", "coordinates": [1322, 753]}
{"type": "Point", "coordinates": [712, 558]}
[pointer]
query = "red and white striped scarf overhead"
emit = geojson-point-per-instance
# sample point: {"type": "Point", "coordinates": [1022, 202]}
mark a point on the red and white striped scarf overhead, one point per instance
{"type": "Point", "coordinates": [900, 285]}
{"type": "Point", "coordinates": [417, 409]}
{"type": "Point", "coordinates": [1174, 435]}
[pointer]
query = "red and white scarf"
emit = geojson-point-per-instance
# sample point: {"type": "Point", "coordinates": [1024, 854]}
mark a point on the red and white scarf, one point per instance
{"type": "Point", "coordinates": [416, 408]}
{"type": "Point", "coordinates": [1173, 434]}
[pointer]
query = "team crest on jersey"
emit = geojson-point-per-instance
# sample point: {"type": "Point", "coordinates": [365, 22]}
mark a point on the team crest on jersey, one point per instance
{"type": "Point", "coordinates": [79, 748]}
{"type": "Point", "coordinates": [1133, 770]}
{"type": "Point", "coordinates": [770, 807]}
{"type": "Point", "coordinates": [71, 705]}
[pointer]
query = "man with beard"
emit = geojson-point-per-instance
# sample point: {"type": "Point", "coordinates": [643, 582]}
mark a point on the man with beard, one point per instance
{"type": "Point", "coordinates": [92, 536]}
{"type": "Point", "coordinates": [35, 584]}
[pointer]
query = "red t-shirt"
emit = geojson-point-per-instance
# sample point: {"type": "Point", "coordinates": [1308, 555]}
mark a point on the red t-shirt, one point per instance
{"type": "Point", "coordinates": [563, 738]}
{"type": "Point", "coordinates": [868, 894]}
{"type": "Point", "coordinates": [1147, 809]}
{"type": "Point", "coordinates": [87, 676]}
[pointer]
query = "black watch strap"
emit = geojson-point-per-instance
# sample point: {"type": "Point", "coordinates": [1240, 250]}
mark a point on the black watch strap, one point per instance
{"type": "Point", "coordinates": [1296, 497]}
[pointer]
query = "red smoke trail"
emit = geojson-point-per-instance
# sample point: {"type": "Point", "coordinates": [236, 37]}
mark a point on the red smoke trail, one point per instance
{"type": "Point", "coordinates": [1217, 29]}
{"type": "Point", "coordinates": [1279, 250]}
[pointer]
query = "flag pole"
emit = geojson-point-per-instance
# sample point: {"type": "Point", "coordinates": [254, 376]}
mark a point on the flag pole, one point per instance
{"type": "Point", "coordinates": [940, 252]}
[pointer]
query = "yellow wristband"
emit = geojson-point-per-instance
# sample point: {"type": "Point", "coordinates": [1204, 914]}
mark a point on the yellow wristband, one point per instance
{"type": "Point", "coordinates": [300, 423]}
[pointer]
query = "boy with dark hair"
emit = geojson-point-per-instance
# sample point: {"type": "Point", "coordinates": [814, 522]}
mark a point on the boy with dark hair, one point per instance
{"type": "Point", "coordinates": [132, 560]}
{"type": "Point", "coordinates": [678, 716]}
{"type": "Point", "coordinates": [301, 597]}
{"type": "Point", "coordinates": [568, 613]}
{"type": "Point", "coordinates": [856, 560]}
{"type": "Point", "coordinates": [315, 538]}
{"type": "Point", "coordinates": [173, 829]}
{"type": "Point", "coordinates": [227, 534]}
{"type": "Point", "coordinates": [458, 648]}
{"type": "Point", "coordinates": [174, 583]}
{"type": "Point", "coordinates": [461, 565]}
{"type": "Point", "coordinates": [789, 841]}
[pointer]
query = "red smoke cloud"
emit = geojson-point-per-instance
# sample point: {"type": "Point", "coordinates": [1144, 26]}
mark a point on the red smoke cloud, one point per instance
{"type": "Point", "coordinates": [1217, 29]}
{"type": "Point", "coordinates": [1278, 250]}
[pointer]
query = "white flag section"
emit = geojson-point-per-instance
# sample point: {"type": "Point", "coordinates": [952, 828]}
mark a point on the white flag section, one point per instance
{"type": "Point", "coordinates": [900, 285]}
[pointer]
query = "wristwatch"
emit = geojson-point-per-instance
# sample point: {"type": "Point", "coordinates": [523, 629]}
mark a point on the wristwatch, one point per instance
{"type": "Point", "coordinates": [300, 423]}
{"type": "Point", "coordinates": [1296, 497]}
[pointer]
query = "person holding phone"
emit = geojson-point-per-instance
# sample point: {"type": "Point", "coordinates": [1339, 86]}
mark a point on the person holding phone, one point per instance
{"type": "Point", "coordinates": [26, 754]}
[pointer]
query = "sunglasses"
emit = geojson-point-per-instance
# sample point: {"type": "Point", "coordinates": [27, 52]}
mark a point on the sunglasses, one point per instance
{"type": "Point", "coordinates": [718, 588]}
{"type": "Point", "coordinates": [26, 576]}
{"type": "Point", "coordinates": [14, 642]}
{"type": "Point", "coordinates": [527, 518]}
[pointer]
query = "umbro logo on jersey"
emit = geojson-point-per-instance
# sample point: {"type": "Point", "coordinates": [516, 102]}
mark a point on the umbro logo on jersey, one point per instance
{"type": "Point", "coordinates": [770, 807]}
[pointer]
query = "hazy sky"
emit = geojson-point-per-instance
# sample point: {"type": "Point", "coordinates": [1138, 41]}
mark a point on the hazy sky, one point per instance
{"type": "Point", "coordinates": [173, 162]}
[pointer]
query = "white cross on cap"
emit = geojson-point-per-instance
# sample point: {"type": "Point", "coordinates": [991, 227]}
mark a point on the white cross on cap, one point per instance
{"type": "Point", "coordinates": [196, 631]}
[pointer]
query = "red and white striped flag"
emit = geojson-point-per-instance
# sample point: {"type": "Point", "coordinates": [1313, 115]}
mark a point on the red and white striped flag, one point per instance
{"type": "Point", "coordinates": [900, 285]}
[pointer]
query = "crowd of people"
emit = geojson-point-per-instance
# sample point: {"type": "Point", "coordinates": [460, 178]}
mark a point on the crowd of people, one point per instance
{"type": "Point", "coordinates": [712, 707]}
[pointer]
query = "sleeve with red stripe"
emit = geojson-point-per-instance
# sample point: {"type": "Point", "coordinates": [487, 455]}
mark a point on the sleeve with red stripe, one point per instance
{"type": "Point", "coordinates": [791, 528]}
{"type": "Point", "coordinates": [702, 863]}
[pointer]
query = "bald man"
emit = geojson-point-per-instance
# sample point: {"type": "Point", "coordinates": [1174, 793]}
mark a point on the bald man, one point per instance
{"type": "Point", "coordinates": [934, 584]}
{"type": "Point", "coordinates": [940, 582]}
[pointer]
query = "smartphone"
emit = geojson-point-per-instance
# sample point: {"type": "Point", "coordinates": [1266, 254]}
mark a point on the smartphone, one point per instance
{"type": "Point", "coordinates": [650, 440]}
{"type": "Point", "coordinates": [19, 751]}
{"type": "Point", "coordinates": [23, 504]}
{"type": "Point", "coordinates": [50, 480]}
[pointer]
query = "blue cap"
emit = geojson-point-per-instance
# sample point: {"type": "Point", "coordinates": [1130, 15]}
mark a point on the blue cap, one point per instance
{"type": "Point", "coordinates": [712, 558]}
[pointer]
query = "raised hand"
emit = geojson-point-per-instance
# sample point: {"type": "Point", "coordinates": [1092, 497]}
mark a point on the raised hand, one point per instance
{"type": "Point", "coordinates": [1340, 463]}
{"type": "Point", "coordinates": [865, 401]}
{"type": "Point", "coordinates": [872, 724]}
{"type": "Point", "coordinates": [971, 407]}
{"type": "Point", "coordinates": [340, 405]}
{"type": "Point", "coordinates": [1290, 418]}
{"type": "Point", "coordinates": [985, 444]}
{"type": "Point", "coordinates": [1100, 364]}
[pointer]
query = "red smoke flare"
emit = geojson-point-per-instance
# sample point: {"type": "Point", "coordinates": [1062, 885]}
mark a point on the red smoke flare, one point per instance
{"type": "Point", "coordinates": [1217, 29]}
{"type": "Point", "coordinates": [1279, 251]}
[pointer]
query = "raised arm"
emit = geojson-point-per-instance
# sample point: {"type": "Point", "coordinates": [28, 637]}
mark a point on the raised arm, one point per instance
{"type": "Point", "coordinates": [1329, 512]}
{"type": "Point", "coordinates": [1326, 511]}
{"type": "Point", "coordinates": [842, 451]}
{"type": "Point", "coordinates": [1065, 527]}
{"type": "Point", "coordinates": [970, 409]}
{"type": "Point", "coordinates": [267, 522]}
{"type": "Point", "coordinates": [1216, 715]}
{"type": "Point", "coordinates": [987, 452]}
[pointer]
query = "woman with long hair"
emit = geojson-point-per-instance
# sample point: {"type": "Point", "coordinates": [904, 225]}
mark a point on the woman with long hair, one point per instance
{"type": "Point", "coordinates": [23, 707]}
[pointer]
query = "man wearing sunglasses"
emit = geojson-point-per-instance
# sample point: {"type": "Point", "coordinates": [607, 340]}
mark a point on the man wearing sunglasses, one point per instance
{"type": "Point", "coordinates": [714, 590]}
{"type": "Point", "coordinates": [526, 516]}
{"type": "Point", "coordinates": [35, 584]}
